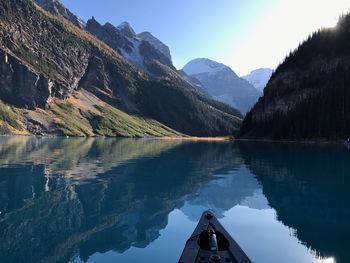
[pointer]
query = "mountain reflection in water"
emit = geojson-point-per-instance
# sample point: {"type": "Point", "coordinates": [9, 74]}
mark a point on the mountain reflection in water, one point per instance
{"type": "Point", "coordinates": [96, 200]}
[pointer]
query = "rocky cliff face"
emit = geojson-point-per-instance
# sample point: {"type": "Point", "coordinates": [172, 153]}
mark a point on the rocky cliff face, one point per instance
{"type": "Point", "coordinates": [147, 36]}
{"type": "Point", "coordinates": [45, 58]}
{"type": "Point", "coordinates": [21, 85]}
{"type": "Point", "coordinates": [63, 80]}
{"type": "Point", "coordinates": [308, 95]}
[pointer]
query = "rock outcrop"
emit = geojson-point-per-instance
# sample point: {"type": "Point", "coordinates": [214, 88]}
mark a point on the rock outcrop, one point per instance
{"type": "Point", "coordinates": [21, 85]}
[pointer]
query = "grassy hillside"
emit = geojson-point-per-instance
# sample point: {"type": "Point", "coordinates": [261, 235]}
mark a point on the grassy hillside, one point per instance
{"type": "Point", "coordinates": [68, 120]}
{"type": "Point", "coordinates": [109, 122]}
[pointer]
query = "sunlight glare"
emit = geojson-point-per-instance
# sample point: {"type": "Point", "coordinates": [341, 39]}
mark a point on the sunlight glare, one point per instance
{"type": "Point", "coordinates": [327, 260]}
{"type": "Point", "coordinates": [281, 30]}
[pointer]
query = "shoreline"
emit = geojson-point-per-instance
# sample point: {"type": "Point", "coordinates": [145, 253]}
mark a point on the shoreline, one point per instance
{"type": "Point", "coordinates": [182, 138]}
{"type": "Point", "coordinates": [311, 141]}
{"type": "Point", "coordinates": [190, 138]}
{"type": "Point", "coordinates": [199, 139]}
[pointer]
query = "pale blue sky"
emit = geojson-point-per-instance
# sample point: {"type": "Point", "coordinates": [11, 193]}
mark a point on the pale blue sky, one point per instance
{"type": "Point", "coordinates": [244, 34]}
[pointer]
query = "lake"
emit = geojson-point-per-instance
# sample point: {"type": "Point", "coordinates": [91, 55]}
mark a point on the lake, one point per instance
{"type": "Point", "coordinates": [138, 200]}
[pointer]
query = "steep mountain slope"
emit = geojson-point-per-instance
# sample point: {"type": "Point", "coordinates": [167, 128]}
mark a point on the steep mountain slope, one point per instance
{"type": "Point", "coordinates": [309, 94]}
{"type": "Point", "coordinates": [259, 78]}
{"type": "Point", "coordinates": [56, 8]}
{"type": "Point", "coordinates": [57, 78]}
{"type": "Point", "coordinates": [223, 84]}
{"type": "Point", "coordinates": [139, 51]}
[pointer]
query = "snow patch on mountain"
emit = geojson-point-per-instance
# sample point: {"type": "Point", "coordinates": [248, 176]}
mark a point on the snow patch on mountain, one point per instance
{"type": "Point", "coordinates": [134, 57]}
{"type": "Point", "coordinates": [222, 83]}
{"type": "Point", "coordinates": [203, 65]}
{"type": "Point", "coordinates": [259, 78]}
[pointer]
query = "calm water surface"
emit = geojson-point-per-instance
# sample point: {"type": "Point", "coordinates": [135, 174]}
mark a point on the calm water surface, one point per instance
{"type": "Point", "coordinates": [133, 201]}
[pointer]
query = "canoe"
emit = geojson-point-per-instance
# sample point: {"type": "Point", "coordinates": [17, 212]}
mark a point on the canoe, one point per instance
{"type": "Point", "coordinates": [210, 242]}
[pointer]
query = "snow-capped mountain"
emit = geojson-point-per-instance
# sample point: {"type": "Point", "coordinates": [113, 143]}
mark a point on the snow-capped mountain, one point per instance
{"type": "Point", "coordinates": [140, 50]}
{"type": "Point", "coordinates": [259, 78]}
{"type": "Point", "coordinates": [217, 195]}
{"type": "Point", "coordinates": [204, 65]}
{"type": "Point", "coordinates": [223, 84]}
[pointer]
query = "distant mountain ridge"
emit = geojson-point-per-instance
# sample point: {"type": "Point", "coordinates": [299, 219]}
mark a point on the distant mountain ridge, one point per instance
{"type": "Point", "coordinates": [259, 78]}
{"type": "Point", "coordinates": [141, 51]}
{"type": "Point", "coordinates": [222, 83]}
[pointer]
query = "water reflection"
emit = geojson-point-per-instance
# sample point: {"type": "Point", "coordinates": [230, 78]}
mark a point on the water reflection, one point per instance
{"type": "Point", "coordinates": [59, 196]}
{"type": "Point", "coordinates": [240, 187]}
{"type": "Point", "coordinates": [73, 199]}
{"type": "Point", "coordinates": [308, 187]}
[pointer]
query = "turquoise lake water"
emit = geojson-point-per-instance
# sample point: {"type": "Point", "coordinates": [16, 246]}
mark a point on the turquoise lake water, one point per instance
{"type": "Point", "coordinates": [133, 201]}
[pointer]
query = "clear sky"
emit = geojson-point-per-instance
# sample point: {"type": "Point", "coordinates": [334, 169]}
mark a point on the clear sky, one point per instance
{"type": "Point", "coordinates": [243, 34]}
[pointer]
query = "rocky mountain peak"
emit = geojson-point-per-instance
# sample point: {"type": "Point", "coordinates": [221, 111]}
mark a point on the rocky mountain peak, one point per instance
{"type": "Point", "coordinates": [92, 24]}
{"type": "Point", "coordinates": [159, 45]}
{"type": "Point", "coordinates": [140, 52]}
{"type": "Point", "coordinates": [93, 20]}
{"type": "Point", "coordinates": [126, 29]}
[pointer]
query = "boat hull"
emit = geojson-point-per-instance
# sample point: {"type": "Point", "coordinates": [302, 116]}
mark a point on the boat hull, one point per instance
{"type": "Point", "coordinates": [199, 248]}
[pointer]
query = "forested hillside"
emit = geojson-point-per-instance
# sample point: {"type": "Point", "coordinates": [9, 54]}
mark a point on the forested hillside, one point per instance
{"type": "Point", "coordinates": [308, 96]}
